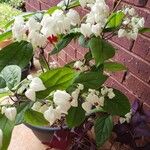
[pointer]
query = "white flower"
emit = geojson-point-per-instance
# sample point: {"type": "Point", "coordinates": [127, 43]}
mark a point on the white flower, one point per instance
{"type": "Point", "coordinates": [87, 106]}
{"type": "Point", "coordinates": [86, 29]}
{"type": "Point", "coordinates": [96, 29]}
{"type": "Point", "coordinates": [1, 138]}
{"type": "Point", "coordinates": [79, 65]}
{"type": "Point", "coordinates": [75, 95]}
{"type": "Point", "coordinates": [104, 90]}
{"type": "Point", "coordinates": [36, 106]}
{"type": "Point", "coordinates": [43, 108]}
{"type": "Point", "coordinates": [127, 118]}
{"type": "Point", "coordinates": [32, 24]}
{"type": "Point", "coordinates": [11, 113]}
{"type": "Point", "coordinates": [37, 39]}
{"type": "Point", "coordinates": [122, 33]}
{"type": "Point", "coordinates": [61, 97]}
{"type": "Point", "coordinates": [3, 109]}
{"type": "Point", "coordinates": [80, 86]}
{"type": "Point", "coordinates": [111, 95]}
{"type": "Point", "coordinates": [141, 22]}
{"type": "Point", "coordinates": [131, 11]}
{"type": "Point", "coordinates": [53, 65]}
{"type": "Point", "coordinates": [63, 109]}
{"type": "Point", "coordinates": [29, 77]}
{"type": "Point", "coordinates": [51, 115]}
{"type": "Point", "coordinates": [37, 84]}
{"type": "Point", "coordinates": [74, 17]}
{"type": "Point", "coordinates": [19, 29]}
{"type": "Point", "coordinates": [30, 94]}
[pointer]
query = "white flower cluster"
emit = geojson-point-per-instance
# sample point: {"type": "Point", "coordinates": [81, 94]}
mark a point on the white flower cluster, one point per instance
{"type": "Point", "coordinates": [127, 118]}
{"type": "Point", "coordinates": [79, 65]}
{"type": "Point", "coordinates": [95, 99]}
{"type": "Point", "coordinates": [53, 65]}
{"type": "Point", "coordinates": [96, 19]}
{"type": "Point", "coordinates": [35, 85]}
{"type": "Point", "coordinates": [131, 24]}
{"type": "Point", "coordinates": [62, 103]}
{"type": "Point", "coordinates": [9, 112]}
{"type": "Point", "coordinates": [51, 25]}
{"type": "Point", "coordinates": [38, 106]}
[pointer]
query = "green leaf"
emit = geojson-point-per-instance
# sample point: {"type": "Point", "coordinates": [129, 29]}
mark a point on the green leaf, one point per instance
{"type": "Point", "coordinates": [143, 30]}
{"type": "Point", "coordinates": [119, 105]}
{"type": "Point", "coordinates": [64, 42]}
{"type": "Point", "coordinates": [6, 126]}
{"type": "Point", "coordinates": [75, 117]}
{"type": "Point", "coordinates": [34, 118]}
{"type": "Point", "coordinates": [115, 19]}
{"type": "Point", "coordinates": [5, 35]}
{"type": "Point", "coordinates": [52, 9]}
{"type": "Point", "coordinates": [21, 109]}
{"type": "Point", "coordinates": [3, 95]}
{"type": "Point", "coordinates": [114, 66]}
{"type": "Point", "coordinates": [101, 50]}
{"type": "Point", "coordinates": [12, 75]}
{"type": "Point", "coordinates": [2, 82]}
{"type": "Point", "coordinates": [91, 80]}
{"type": "Point", "coordinates": [103, 128]}
{"type": "Point", "coordinates": [18, 53]}
{"type": "Point", "coordinates": [57, 79]}
{"type": "Point", "coordinates": [83, 41]}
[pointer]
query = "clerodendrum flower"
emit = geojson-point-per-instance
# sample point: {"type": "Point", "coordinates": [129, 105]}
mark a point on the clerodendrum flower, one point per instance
{"type": "Point", "coordinates": [10, 113]}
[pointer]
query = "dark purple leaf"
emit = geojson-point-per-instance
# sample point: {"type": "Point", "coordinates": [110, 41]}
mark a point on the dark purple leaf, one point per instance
{"type": "Point", "coordinates": [135, 106]}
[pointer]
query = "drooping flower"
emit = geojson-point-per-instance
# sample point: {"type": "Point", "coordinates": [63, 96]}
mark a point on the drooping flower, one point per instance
{"type": "Point", "coordinates": [79, 65]}
{"type": "Point", "coordinates": [30, 94]}
{"type": "Point", "coordinates": [74, 17]}
{"type": "Point", "coordinates": [127, 118]}
{"type": "Point", "coordinates": [11, 113]}
{"type": "Point", "coordinates": [61, 97]}
{"type": "Point", "coordinates": [37, 84]}
{"type": "Point", "coordinates": [51, 115]}
{"type": "Point", "coordinates": [85, 29]}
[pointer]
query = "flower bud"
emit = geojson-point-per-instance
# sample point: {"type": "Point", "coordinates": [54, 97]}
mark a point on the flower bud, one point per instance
{"type": "Point", "coordinates": [11, 113]}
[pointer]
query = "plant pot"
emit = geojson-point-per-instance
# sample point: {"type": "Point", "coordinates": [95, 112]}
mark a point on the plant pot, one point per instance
{"type": "Point", "coordinates": [44, 134]}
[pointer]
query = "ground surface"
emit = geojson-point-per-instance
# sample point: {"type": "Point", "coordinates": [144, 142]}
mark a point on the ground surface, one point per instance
{"type": "Point", "coordinates": [24, 139]}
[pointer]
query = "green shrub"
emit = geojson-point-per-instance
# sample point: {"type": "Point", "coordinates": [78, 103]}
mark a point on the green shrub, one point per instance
{"type": "Point", "coordinates": [7, 12]}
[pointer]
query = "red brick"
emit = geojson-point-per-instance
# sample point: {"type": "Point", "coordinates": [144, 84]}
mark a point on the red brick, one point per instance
{"type": "Point", "coordinates": [111, 82]}
{"type": "Point", "coordinates": [142, 47]}
{"type": "Point", "coordinates": [140, 3]}
{"type": "Point", "coordinates": [135, 64]}
{"type": "Point", "coordinates": [124, 42]}
{"type": "Point", "coordinates": [32, 5]}
{"type": "Point", "coordinates": [148, 4]}
{"type": "Point", "coordinates": [138, 88]}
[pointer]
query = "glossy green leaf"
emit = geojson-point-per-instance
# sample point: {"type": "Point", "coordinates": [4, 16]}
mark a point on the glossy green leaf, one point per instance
{"type": "Point", "coordinates": [119, 105]}
{"type": "Point", "coordinates": [2, 82]}
{"type": "Point", "coordinates": [75, 117]}
{"type": "Point", "coordinates": [6, 126]}
{"type": "Point", "coordinates": [12, 75]}
{"type": "Point", "coordinates": [18, 53]}
{"type": "Point", "coordinates": [6, 35]}
{"type": "Point", "coordinates": [103, 128]}
{"type": "Point", "coordinates": [101, 50]}
{"type": "Point", "coordinates": [57, 79]}
{"type": "Point", "coordinates": [114, 66]}
{"type": "Point", "coordinates": [63, 42]}
{"type": "Point", "coordinates": [115, 19]}
{"type": "Point", "coordinates": [35, 118]}
{"type": "Point", "coordinates": [21, 109]}
{"type": "Point", "coordinates": [91, 80]}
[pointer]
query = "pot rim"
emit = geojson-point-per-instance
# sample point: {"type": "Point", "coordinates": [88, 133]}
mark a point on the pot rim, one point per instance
{"type": "Point", "coordinates": [45, 128]}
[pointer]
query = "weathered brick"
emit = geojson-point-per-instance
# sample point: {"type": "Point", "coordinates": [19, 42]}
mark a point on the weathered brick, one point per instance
{"type": "Point", "coordinates": [142, 47]}
{"type": "Point", "coordinates": [135, 64]}
{"type": "Point", "coordinates": [138, 88]}
{"type": "Point", "coordinates": [32, 5]}
{"type": "Point", "coordinates": [140, 3]}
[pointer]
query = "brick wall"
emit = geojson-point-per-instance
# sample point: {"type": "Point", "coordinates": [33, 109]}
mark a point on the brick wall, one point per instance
{"type": "Point", "coordinates": [135, 82]}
